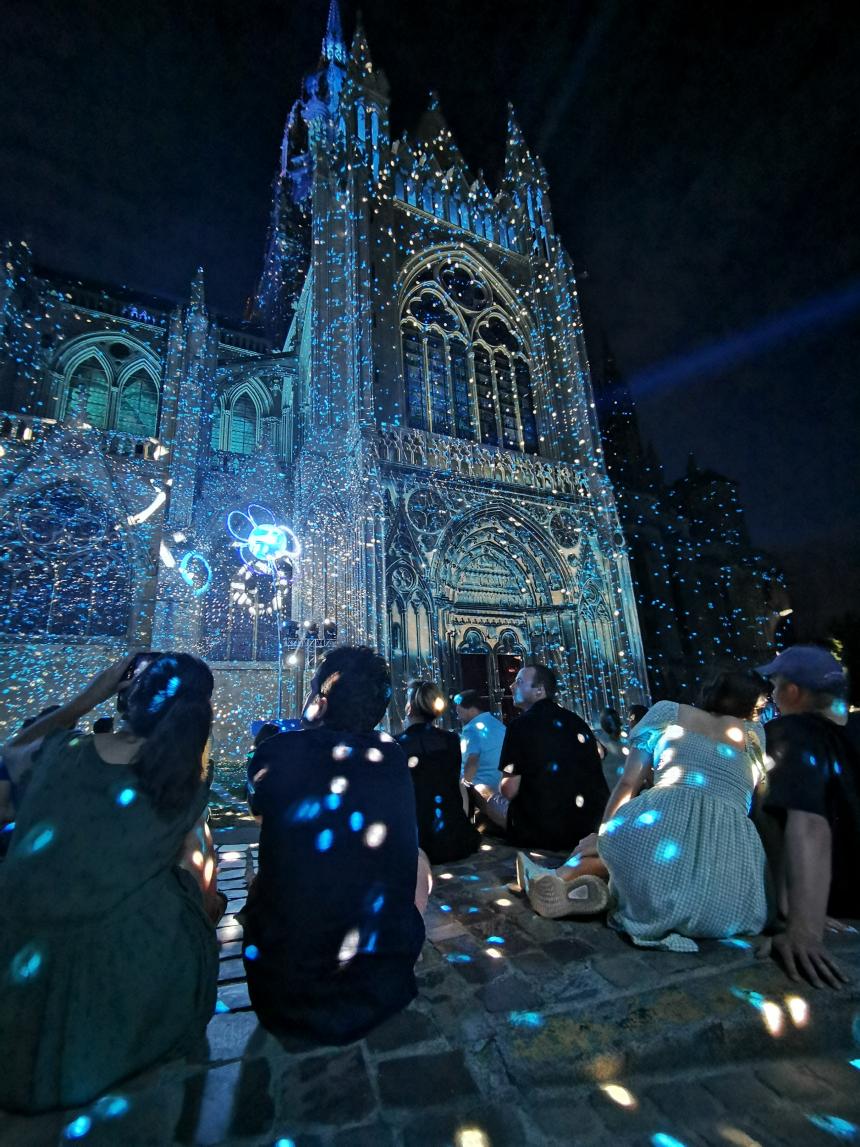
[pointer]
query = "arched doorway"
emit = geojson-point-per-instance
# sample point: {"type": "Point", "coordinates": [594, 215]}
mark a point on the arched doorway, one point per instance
{"type": "Point", "coordinates": [489, 671]}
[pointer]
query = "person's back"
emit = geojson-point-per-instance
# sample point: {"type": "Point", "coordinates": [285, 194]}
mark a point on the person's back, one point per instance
{"type": "Point", "coordinates": [816, 769]}
{"type": "Point", "coordinates": [444, 832]}
{"type": "Point", "coordinates": [112, 963]}
{"type": "Point", "coordinates": [481, 746]}
{"type": "Point", "coordinates": [562, 791]}
{"type": "Point", "coordinates": [331, 927]}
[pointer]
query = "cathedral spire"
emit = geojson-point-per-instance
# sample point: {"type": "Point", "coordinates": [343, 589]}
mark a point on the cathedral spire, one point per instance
{"type": "Point", "coordinates": [198, 293]}
{"type": "Point", "coordinates": [333, 46]}
{"type": "Point", "coordinates": [517, 155]}
{"type": "Point", "coordinates": [360, 49]}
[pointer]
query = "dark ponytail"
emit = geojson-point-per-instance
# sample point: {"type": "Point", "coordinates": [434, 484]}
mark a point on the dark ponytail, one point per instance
{"type": "Point", "coordinates": [169, 704]}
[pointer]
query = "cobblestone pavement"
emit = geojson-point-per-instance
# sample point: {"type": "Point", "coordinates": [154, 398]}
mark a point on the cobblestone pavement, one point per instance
{"type": "Point", "coordinates": [525, 1032]}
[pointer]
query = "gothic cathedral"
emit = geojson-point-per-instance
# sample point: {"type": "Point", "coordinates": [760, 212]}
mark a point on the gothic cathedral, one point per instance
{"type": "Point", "coordinates": [406, 421]}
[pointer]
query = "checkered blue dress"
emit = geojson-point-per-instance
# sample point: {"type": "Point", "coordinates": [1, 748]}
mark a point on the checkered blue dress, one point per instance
{"type": "Point", "coordinates": [684, 858]}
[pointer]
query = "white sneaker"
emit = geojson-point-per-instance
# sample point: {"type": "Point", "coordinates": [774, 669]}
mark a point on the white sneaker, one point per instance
{"type": "Point", "coordinates": [527, 871]}
{"type": "Point", "coordinates": [554, 898]}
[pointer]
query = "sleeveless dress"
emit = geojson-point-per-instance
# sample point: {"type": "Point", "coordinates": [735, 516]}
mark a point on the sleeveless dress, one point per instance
{"type": "Point", "coordinates": [108, 963]}
{"type": "Point", "coordinates": [684, 858]}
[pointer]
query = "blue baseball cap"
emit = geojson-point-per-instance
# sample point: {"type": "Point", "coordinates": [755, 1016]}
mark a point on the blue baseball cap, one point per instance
{"type": "Point", "coordinates": [809, 666]}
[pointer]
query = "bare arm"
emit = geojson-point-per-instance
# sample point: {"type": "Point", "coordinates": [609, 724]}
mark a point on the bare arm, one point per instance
{"type": "Point", "coordinates": [509, 787]}
{"type": "Point", "coordinates": [17, 752]}
{"type": "Point", "coordinates": [470, 766]}
{"type": "Point", "coordinates": [803, 891]}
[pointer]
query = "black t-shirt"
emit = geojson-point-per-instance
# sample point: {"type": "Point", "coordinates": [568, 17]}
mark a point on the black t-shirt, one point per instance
{"type": "Point", "coordinates": [562, 791]}
{"type": "Point", "coordinates": [444, 830]}
{"type": "Point", "coordinates": [816, 769]}
{"type": "Point", "coordinates": [331, 928]}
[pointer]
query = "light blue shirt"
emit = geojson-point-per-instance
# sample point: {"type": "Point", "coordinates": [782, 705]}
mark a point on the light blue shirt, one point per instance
{"type": "Point", "coordinates": [483, 735]}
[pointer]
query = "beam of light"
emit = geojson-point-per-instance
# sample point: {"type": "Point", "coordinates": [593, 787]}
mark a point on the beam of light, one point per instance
{"type": "Point", "coordinates": [159, 500]}
{"type": "Point", "coordinates": [717, 358]}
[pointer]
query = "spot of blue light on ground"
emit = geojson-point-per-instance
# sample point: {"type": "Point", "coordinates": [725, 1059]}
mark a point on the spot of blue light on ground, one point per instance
{"type": "Point", "coordinates": [667, 851]}
{"type": "Point", "coordinates": [325, 840]}
{"type": "Point", "coordinates": [126, 797]}
{"type": "Point", "coordinates": [661, 1139]}
{"type": "Point", "coordinates": [458, 958]}
{"type": "Point", "coordinates": [78, 1128]}
{"type": "Point", "coordinates": [835, 1125]}
{"type": "Point", "coordinates": [495, 940]}
{"type": "Point", "coordinates": [444, 907]}
{"type": "Point", "coordinates": [285, 1143]}
{"type": "Point", "coordinates": [378, 902]}
{"type": "Point", "coordinates": [332, 801]}
{"type": "Point", "coordinates": [252, 952]}
{"type": "Point", "coordinates": [525, 1019]}
{"type": "Point", "coordinates": [356, 822]}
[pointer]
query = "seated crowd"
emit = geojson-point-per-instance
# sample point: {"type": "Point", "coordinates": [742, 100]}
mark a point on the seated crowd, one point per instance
{"type": "Point", "coordinates": [695, 823]}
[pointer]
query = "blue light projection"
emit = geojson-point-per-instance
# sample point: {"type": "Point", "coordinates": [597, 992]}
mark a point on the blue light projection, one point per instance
{"type": "Point", "coordinates": [835, 1125]}
{"type": "Point", "coordinates": [26, 964]}
{"type": "Point", "coordinates": [526, 1019]}
{"type": "Point", "coordinates": [126, 797]}
{"type": "Point", "coordinates": [262, 541]}
{"type": "Point", "coordinates": [196, 572]}
{"type": "Point", "coordinates": [111, 1106]}
{"type": "Point", "coordinates": [78, 1128]}
{"type": "Point", "coordinates": [667, 851]}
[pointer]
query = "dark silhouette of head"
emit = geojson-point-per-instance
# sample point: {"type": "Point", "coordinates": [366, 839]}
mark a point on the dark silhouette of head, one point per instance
{"type": "Point", "coordinates": [169, 704]}
{"type": "Point", "coordinates": [734, 693]}
{"type": "Point", "coordinates": [350, 690]}
{"type": "Point", "coordinates": [610, 723]}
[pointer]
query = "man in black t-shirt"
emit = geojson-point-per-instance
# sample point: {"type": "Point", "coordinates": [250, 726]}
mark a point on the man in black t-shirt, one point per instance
{"type": "Point", "coordinates": [553, 791]}
{"type": "Point", "coordinates": [808, 812]}
{"type": "Point", "coordinates": [332, 926]}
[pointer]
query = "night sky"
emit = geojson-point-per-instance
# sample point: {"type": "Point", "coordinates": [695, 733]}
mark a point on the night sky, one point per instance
{"type": "Point", "coordinates": [704, 172]}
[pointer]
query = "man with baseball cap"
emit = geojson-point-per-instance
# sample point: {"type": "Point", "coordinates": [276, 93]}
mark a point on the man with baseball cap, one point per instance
{"type": "Point", "coordinates": [809, 810]}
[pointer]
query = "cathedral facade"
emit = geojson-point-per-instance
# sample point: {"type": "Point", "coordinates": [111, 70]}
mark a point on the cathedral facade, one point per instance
{"type": "Point", "coordinates": [400, 448]}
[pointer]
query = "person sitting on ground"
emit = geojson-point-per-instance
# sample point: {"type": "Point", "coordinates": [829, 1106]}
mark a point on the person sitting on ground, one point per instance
{"type": "Point", "coordinates": [481, 741]}
{"type": "Point", "coordinates": [333, 922]}
{"type": "Point", "coordinates": [808, 812]}
{"type": "Point", "coordinates": [683, 858]}
{"type": "Point", "coordinates": [553, 790]}
{"type": "Point", "coordinates": [444, 830]}
{"type": "Point", "coordinates": [110, 961]}
{"type": "Point", "coordinates": [610, 746]}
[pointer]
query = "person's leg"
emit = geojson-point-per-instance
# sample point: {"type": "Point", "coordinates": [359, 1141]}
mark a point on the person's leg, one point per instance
{"type": "Point", "coordinates": [424, 882]}
{"type": "Point", "coordinates": [577, 866]}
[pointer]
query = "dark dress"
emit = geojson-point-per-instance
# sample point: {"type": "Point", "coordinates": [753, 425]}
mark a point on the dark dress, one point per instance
{"type": "Point", "coordinates": [109, 962]}
{"type": "Point", "coordinates": [331, 928]}
{"type": "Point", "coordinates": [444, 830]}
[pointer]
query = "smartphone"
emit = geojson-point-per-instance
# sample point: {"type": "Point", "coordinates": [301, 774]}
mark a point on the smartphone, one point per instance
{"type": "Point", "coordinates": [141, 662]}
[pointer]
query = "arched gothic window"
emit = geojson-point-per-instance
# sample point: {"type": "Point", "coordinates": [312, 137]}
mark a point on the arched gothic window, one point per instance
{"type": "Point", "coordinates": [234, 426]}
{"type": "Point", "coordinates": [138, 405]}
{"type": "Point", "coordinates": [113, 387]}
{"type": "Point", "coordinates": [465, 367]}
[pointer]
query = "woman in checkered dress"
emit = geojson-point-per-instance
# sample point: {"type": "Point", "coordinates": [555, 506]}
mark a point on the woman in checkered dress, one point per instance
{"type": "Point", "coordinates": [683, 859]}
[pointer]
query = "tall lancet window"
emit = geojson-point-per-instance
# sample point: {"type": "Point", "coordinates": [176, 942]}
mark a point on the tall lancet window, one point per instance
{"type": "Point", "coordinates": [465, 364]}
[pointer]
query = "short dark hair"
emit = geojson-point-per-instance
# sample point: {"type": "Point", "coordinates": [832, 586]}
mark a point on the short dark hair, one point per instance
{"type": "Point", "coordinates": [610, 722]}
{"type": "Point", "coordinates": [356, 684]}
{"type": "Point", "coordinates": [269, 729]}
{"type": "Point", "coordinates": [103, 725]}
{"type": "Point", "coordinates": [733, 693]}
{"type": "Point", "coordinates": [470, 699]}
{"type": "Point", "coordinates": [427, 700]}
{"type": "Point", "coordinates": [544, 676]}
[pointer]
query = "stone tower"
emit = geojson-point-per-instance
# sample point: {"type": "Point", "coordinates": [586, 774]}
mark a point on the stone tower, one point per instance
{"type": "Point", "coordinates": [450, 485]}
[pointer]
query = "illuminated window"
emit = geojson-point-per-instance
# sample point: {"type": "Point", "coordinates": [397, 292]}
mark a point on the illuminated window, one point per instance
{"type": "Point", "coordinates": [243, 426]}
{"type": "Point", "coordinates": [138, 406]}
{"type": "Point", "coordinates": [466, 372]}
{"type": "Point", "coordinates": [88, 394]}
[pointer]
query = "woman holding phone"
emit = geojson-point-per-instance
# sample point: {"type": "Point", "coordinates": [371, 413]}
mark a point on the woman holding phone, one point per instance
{"type": "Point", "coordinates": [108, 957]}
